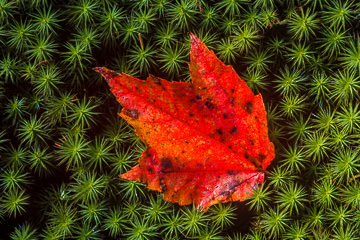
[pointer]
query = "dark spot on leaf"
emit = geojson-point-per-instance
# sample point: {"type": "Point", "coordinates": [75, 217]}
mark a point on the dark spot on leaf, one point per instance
{"type": "Point", "coordinates": [152, 159]}
{"type": "Point", "coordinates": [247, 155]}
{"type": "Point", "coordinates": [261, 157]}
{"type": "Point", "coordinates": [234, 130]}
{"type": "Point", "coordinates": [249, 107]}
{"type": "Point", "coordinates": [166, 164]}
{"type": "Point", "coordinates": [219, 131]}
{"type": "Point", "coordinates": [225, 115]}
{"type": "Point", "coordinates": [233, 184]}
{"type": "Point", "coordinates": [191, 114]}
{"type": "Point", "coordinates": [231, 173]}
{"type": "Point", "coordinates": [257, 161]}
{"type": "Point", "coordinates": [186, 141]}
{"type": "Point", "coordinates": [232, 90]}
{"type": "Point", "coordinates": [209, 105]}
{"type": "Point", "coordinates": [229, 188]}
{"type": "Point", "coordinates": [133, 113]}
{"type": "Point", "coordinates": [157, 80]}
{"type": "Point", "coordinates": [197, 98]}
{"type": "Point", "coordinates": [163, 186]}
{"type": "Point", "coordinates": [224, 193]}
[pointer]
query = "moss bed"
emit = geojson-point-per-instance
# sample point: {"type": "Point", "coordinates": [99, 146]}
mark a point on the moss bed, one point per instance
{"type": "Point", "coordinates": [62, 144]}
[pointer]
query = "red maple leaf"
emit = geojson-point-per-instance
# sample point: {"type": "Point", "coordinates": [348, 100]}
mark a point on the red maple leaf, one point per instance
{"type": "Point", "coordinates": [207, 141]}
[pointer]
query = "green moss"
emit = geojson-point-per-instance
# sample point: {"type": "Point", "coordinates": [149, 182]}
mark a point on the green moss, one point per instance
{"type": "Point", "coordinates": [62, 144]}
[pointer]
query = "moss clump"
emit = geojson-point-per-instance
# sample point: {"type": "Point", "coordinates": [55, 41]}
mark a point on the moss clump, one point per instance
{"type": "Point", "coordinates": [62, 144]}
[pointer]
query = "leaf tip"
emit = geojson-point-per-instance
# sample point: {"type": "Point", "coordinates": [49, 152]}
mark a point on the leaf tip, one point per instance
{"type": "Point", "coordinates": [194, 40]}
{"type": "Point", "coordinates": [99, 69]}
{"type": "Point", "coordinates": [134, 174]}
{"type": "Point", "coordinates": [106, 73]}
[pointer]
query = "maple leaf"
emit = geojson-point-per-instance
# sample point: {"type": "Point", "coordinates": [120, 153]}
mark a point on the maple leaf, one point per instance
{"type": "Point", "coordinates": [207, 141]}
